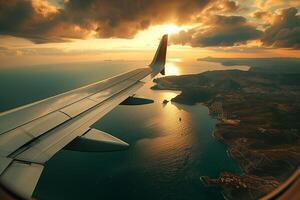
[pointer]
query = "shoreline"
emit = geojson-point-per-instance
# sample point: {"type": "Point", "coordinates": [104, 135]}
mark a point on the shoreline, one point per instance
{"type": "Point", "coordinates": [256, 141]}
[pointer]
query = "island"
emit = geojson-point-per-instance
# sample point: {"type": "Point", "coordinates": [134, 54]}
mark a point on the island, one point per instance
{"type": "Point", "coordinates": [258, 120]}
{"type": "Point", "coordinates": [165, 101]}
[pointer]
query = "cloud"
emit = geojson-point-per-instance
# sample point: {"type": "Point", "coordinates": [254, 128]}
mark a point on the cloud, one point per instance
{"type": "Point", "coordinates": [42, 22]}
{"type": "Point", "coordinates": [284, 32]}
{"type": "Point", "coordinates": [37, 21]}
{"type": "Point", "coordinates": [218, 31]}
{"type": "Point", "coordinates": [267, 4]}
{"type": "Point", "coordinates": [262, 15]}
{"type": "Point", "coordinates": [224, 6]}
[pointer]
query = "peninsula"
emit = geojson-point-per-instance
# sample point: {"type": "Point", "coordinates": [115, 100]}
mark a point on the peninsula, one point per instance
{"type": "Point", "coordinates": [258, 121]}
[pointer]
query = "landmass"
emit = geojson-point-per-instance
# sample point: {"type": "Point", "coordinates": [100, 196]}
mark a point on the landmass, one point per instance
{"type": "Point", "coordinates": [258, 121]}
{"type": "Point", "coordinates": [266, 65]}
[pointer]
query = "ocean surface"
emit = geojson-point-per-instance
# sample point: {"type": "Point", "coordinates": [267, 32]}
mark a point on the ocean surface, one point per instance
{"type": "Point", "coordinates": [166, 156]}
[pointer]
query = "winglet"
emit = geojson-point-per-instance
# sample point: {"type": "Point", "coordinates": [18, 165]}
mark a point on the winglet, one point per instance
{"type": "Point", "coordinates": [158, 63]}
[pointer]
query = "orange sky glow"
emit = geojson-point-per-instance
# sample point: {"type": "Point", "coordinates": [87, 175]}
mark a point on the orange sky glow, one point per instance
{"type": "Point", "coordinates": [191, 39]}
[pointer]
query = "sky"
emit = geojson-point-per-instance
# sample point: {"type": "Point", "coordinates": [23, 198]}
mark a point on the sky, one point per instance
{"type": "Point", "coordinates": [56, 31]}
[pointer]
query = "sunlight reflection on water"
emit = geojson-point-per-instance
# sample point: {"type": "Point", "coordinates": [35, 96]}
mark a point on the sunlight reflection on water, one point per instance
{"type": "Point", "coordinates": [172, 68]}
{"type": "Point", "coordinates": [166, 156]}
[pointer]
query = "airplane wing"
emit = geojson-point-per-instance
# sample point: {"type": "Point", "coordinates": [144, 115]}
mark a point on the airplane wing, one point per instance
{"type": "Point", "coordinates": [32, 134]}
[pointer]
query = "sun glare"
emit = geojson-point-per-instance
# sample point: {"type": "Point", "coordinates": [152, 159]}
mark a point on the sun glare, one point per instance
{"type": "Point", "coordinates": [171, 28]}
{"type": "Point", "coordinates": [172, 69]}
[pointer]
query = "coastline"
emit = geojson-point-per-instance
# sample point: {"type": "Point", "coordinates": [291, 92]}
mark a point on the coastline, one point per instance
{"type": "Point", "coordinates": [249, 138]}
{"type": "Point", "coordinates": [227, 181]}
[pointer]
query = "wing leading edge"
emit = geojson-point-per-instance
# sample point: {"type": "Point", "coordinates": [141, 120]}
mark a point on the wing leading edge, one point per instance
{"type": "Point", "coordinates": [32, 134]}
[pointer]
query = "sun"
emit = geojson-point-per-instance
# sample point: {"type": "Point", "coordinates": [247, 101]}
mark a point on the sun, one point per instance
{"type": "Point", "coordinates": [172, 69]}
{"type": "Point", "coordinates": [171, 28]}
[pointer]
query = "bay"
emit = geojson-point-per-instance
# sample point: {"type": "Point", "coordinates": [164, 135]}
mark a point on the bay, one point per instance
{"type": "Point", "coordinates": [171, 145]}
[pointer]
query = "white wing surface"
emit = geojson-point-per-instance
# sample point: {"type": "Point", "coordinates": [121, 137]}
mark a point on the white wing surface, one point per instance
{"type": "Point", "coordinates": [32, 134]}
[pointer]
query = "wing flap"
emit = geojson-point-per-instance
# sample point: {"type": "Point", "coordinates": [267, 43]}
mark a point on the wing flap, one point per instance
{"type": "Point", "coordinates": [9, 142]}
{"type": "Point", "coordinates": [22, 177]}
{"type": "Point", "coordinates": [13, 140]}
{"type": "Point", "coordinates": [4, 162]}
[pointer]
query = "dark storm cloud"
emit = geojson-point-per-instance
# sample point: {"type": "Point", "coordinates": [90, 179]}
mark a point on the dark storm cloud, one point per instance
{"type": "Point", "coordinates": [218, 31]}
{"type": "Point", "coordinates": [284, 32]}
{"type": "Point", "coordinates": [41, 22]}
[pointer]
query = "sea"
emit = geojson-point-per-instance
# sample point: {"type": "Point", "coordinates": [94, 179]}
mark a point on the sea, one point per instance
{"type": "Point", "coordinates": [171, 145]}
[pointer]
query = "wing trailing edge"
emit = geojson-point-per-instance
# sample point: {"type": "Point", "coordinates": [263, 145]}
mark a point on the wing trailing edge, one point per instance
{"type": "Point", "coordinates": [22, 177]}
